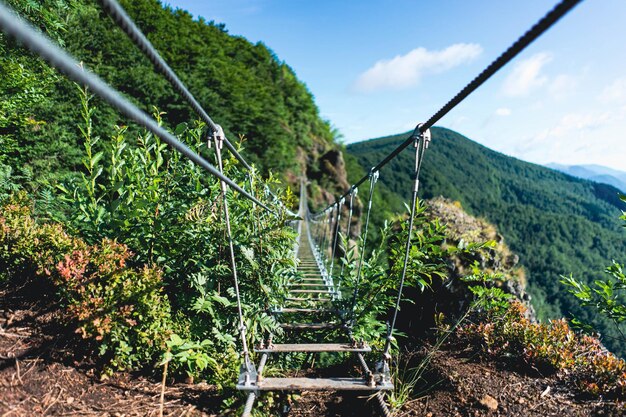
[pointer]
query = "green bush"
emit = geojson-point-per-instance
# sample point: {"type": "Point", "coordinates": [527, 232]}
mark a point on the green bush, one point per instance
{"type": "Point", "coordinates": [607, 297]}
{"type": "Point", "coordinates": [122, 309]}
{"type": "Point", "coordinates": [551, 347]}
{"type": "Point", "coordinates": [169, 212]}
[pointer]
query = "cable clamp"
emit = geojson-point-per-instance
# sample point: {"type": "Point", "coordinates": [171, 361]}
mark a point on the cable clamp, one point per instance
{"type": "Point", "coordinates": [342, 201]}
{"type": "Point", "coordinates": [425, 136]}
{"type": "Point", "coordinates": [218, 137]}
{"type": "Point", "coordinates": [374, 176]}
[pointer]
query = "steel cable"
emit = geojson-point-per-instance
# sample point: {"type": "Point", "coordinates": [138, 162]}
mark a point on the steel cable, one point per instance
{"type": "Point", "coordinates": [533, 33]}
{"type": "Point", "coordinates": [420, 148]}
{"type": "Point", "coordinates": [373, 180]}
{"type": "Point", "coordinates": [16, 27]}
{"type": "Point", "coordinates": [121, 18]}
{"type": "Point", "coordinates": [353, 193]}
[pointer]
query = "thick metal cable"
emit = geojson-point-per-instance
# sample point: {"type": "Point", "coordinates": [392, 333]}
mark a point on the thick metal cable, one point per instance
{"type": "Point", "coordinates": [336, 236]}
{"type": "Point", "coordinates": [242, 327]}
{"type": "Point", "coordinates": [122, 19]}
{"type": "Point", "coordinates": [16, 27]}
{"type": "Point", "coordinates": [247, 409]}
{"type": "Point", "coordinates": [420, 148]}
{"type": "Point", "coordinates": [383, 405]}
{"type": "Point", "coordinates": [373, 180]}
{"type": "Point", "coordinates": [531, 35]}
{"type": "Point", "coordinates": [353, 193]}
{"type": "Point", "coordinates": [326, 229]}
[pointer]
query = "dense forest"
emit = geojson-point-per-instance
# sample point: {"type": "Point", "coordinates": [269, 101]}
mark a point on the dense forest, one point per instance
{"type": "Point", "coordinates": [243, 86]}
{"type": "Point", "coordinates": [558, 224]}
{"type": "Point", "coordinates": [122, 249]}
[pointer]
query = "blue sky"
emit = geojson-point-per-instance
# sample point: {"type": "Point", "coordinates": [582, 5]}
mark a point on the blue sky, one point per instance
{"type": "Point", "coordinates": [378, 67]}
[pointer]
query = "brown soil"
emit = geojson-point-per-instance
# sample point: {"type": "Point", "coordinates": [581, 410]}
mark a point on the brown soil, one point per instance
{"type": "Point", "coordinates": [41, 374]}
{"type": "Point", "coordinates": [458, 386]}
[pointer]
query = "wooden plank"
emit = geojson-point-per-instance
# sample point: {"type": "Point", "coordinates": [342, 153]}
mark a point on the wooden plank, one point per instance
{"type": "Point", "coordinates": [295, 299]}
{"type": "Point", "coordinates": [314, 347]}
{"type": "Point", "coordinates": [304, 310]}
{"type": "Point", "coordinates": [307, 284]}
{"type": "Point", "coordinates": [309, 291]}
{"type": "Point", "coordinates": [313, 384]}
{"type": "Point", "coordinates": [309, 326]}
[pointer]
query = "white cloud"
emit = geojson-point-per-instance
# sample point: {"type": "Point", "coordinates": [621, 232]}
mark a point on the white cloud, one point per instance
{"type": "Point", "coordinates": [526, 76]}
{"type": "Point", "coordinates": [578, 138]}
{"type": "Point", "coordinates": [563, 86]}
{"type": "Point", "coordinates": [406, 71]}
{"type": "Point", "coordinates": [503, 111]}
{"type": "Point", "coordinates": [614, 92]}
{"type": "Point", "coordinates": [576, 123]}
{"type": "Point", "coordinates": [573, 129]}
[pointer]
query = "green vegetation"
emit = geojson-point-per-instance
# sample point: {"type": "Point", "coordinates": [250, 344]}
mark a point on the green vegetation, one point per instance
{"type": "Point", "coordinates": [556, 223]}
{"type": "Point", "coordinates": [243, 86]}
{"type": "Point", "coordinates": [168, 287]}
{"type": "Point", "coordinates": [129, 237]}
{"type": "Point", "coordinates": [507, 334]}
{"type": "Point", "coordinates": [607, 296]}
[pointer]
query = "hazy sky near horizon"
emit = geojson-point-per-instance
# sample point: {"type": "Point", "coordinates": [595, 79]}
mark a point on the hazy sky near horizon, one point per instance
{"type": "Point", "coordinates": [378, 67]}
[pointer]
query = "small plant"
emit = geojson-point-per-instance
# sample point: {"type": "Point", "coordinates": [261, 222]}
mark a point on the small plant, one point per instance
{"type": "Point", "coordinates": [119, 308]}
{"type": "Point", "coordinates": [548, 348]}
{"type": "Point", "coordinates": [487, 295]}
{"type": "Point", "coordinates": [607, 297]}
{"type": "Point", "coordinates": [198, 357]}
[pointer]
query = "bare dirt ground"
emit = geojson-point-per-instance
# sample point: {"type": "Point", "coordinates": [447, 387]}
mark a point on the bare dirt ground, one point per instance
{"type": "Point", "coordinates": [457, 386]}
{"type": "Point", "coordinates": [41, 373]}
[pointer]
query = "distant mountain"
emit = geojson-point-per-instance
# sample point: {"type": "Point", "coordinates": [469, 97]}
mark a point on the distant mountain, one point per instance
{"type": "Point", "coordinates": [557, 223]}
{"type": "Point", "coordinates": [597, 173]}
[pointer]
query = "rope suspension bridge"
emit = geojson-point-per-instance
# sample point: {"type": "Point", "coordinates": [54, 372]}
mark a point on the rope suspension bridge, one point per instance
{"type": "Point", "coordinates": [316, 288]}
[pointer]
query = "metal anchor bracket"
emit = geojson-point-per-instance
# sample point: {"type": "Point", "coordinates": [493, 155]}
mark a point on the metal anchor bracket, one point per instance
{"type": "Point", "coordinates": [426, 136]}
{"type": "Point", "coordinates": [247, 374]}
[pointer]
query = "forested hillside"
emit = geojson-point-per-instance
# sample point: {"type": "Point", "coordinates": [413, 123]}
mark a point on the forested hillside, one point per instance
{"type": "Point", "coordinates": [556, 223]}
{"type": "Point", "coordinates": [243, 86]}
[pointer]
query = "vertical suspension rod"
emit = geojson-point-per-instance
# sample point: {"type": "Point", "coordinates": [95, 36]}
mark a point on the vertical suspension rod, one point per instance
{"type": "Point", "coordinates": [353, 193]}
{"type": "Point", "coordinates": [373, 179]}
{"type": "Point", "coordinates": [218, 138]}
{"type": "Point", "coordinates": [421, 143]}
{"type": "Point", "coordinates": [340, 204]}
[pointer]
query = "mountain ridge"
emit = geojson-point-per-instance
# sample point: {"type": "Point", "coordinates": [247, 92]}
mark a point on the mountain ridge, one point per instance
{"type": "Point", "coordinates": [558, 224]}
{"type": "Point", "coordinates": [593, 172]}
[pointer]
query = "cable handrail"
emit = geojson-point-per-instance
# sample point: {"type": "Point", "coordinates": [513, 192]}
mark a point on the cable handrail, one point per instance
{"type": "Point", "coordinates": [121, 18]}
{"type": "Point", "coordinates": [20, 30]}
{"type": "Point", "coordinates": [546, 22]}
{"type": "Point", "coordinates": [16, 27]}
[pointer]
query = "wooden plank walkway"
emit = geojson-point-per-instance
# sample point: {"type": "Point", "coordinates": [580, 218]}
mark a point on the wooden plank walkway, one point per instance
{"type": "Point", "coordinates": [309, 309]}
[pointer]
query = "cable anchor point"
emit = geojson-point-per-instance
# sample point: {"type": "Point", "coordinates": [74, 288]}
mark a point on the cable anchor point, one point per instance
{"type": "Point", "coordinates": [374, 175]}
{"type": "Point", "coordinates": [218, 138]}
{"type": "Point", "coordinates": [419, 135]}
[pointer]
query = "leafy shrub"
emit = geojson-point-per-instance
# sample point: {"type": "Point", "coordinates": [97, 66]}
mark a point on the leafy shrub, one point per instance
{"type": "Point", "coordinates": [169, 212]}
{"type": "Point", "coordinates": [607, 297]}
{"type": "Point", "coordinates": [551, 347]}
{"type": "Point", "coordinates": [120, 308]}
{"type": "Point", "coordinates": [429, 261]}
{"type": "Point", "coordinates": [381, 271]}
